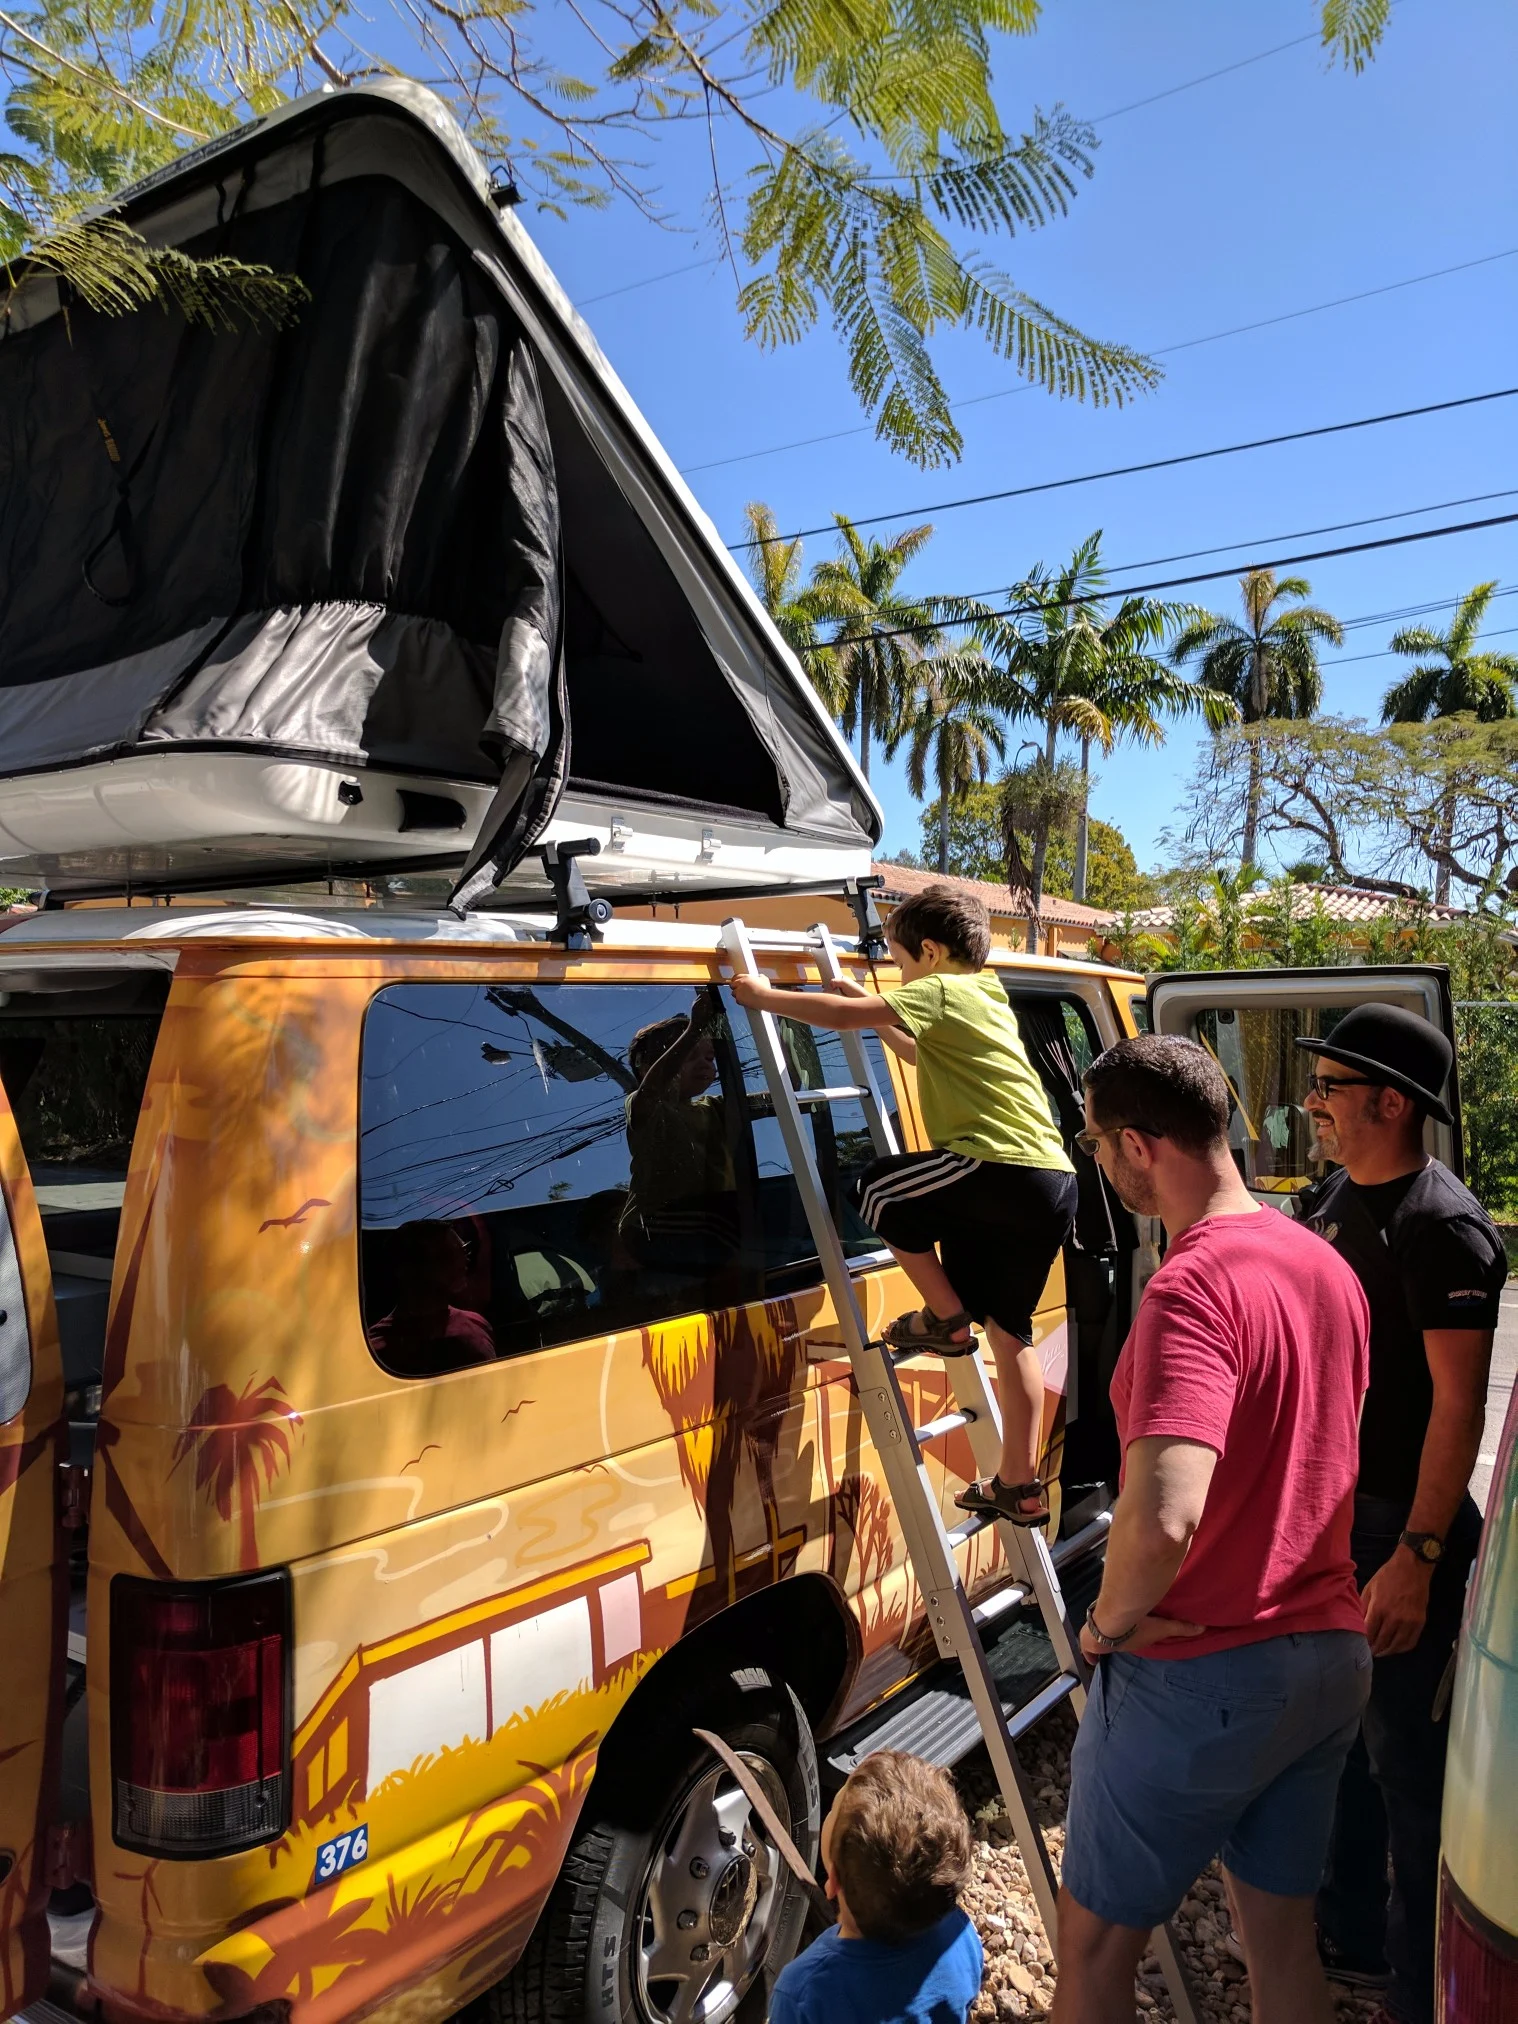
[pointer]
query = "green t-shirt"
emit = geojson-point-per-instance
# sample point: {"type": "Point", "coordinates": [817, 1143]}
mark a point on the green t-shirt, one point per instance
{"type": "Point", "coordinates": [980, 1093]}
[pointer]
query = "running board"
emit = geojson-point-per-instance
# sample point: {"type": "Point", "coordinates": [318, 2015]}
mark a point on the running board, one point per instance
{"type": "Point", "coordinates": [936, 1719]}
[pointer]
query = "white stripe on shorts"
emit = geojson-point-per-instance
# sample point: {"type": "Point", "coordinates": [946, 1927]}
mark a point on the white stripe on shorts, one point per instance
{"type": "Point", "coordinates": [910, 1182]}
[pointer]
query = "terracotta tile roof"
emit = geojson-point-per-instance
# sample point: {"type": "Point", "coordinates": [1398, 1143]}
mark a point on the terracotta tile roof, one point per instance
{"type": "Point", "coordinates": [901, 880]}
{"type": "Point", "coordinates": [1350, 904]}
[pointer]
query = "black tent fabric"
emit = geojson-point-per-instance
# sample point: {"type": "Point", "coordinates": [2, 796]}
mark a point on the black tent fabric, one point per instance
{"type": "Point", "coordinates": [403, 532]}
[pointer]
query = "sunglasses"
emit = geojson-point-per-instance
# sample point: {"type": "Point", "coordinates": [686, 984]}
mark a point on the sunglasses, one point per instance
{"type": "Point", "coordinates": [1325, 1085]}
{"type": "Point", "coordinates": [1090, 1142]}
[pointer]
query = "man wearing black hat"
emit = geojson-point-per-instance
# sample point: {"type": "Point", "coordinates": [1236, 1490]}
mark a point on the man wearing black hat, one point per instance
{"type": "Point", "coordinates": [1432, 1265]}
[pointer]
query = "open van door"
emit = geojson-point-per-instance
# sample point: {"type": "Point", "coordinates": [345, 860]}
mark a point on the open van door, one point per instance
{"type": "Point", "coordinates": [1248, 1021]}
{"type": "Point", "coordinates": [33, 1577]}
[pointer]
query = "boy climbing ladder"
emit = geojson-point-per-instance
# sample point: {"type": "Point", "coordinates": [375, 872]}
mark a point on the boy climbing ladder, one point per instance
{"type": "Point", "coordinates": [977, 1222]}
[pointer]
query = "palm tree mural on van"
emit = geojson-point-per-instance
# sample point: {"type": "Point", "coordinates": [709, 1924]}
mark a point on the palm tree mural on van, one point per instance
{"type": "Point", "coordinates": [722, 1380]}
{"type": "Point", "coordinates": [236, 1438]}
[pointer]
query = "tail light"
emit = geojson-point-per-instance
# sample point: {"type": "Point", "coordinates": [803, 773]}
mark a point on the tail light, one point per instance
{"type": "Point", "coordinates": [1478, 1963]}
{"type": "Point", "coordinates": [200, 1706]}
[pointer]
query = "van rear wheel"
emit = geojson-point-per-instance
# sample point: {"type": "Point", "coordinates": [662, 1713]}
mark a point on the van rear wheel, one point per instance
{"type": "Point", "coordinates": [673, 1905]}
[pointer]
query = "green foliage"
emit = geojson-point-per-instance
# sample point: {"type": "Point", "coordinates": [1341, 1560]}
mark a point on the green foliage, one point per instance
{"type": "Point", "coordinates": [869, 200]}
{"type": "Point", "coordinates": [1267, 667]}
{"type": "Point", "coordinates": [1453, 679]}
{"type": "Point", "coordinates": [977, 850]}
{"type": "Point", "coordinates": [880, 635]}
{"type": "Point", "coordinates": [775, 566]}
{"type": "Point", "coordinates": [1487, 1063]}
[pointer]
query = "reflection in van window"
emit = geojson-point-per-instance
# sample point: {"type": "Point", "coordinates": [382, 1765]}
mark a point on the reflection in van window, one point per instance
{"type": "Point", "coordinates": [842, 1147]}
{"type": "Point", "coordinates": [1269, 1130]}
{"type": "Point", "coordinates": [542, 1163]}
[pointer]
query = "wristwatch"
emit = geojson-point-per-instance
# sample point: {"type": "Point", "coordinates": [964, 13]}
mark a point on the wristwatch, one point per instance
{"type": "Point", "coordinates": [1100, 1637]}
{"type": "Point", "coordinates": [1427, 1546]}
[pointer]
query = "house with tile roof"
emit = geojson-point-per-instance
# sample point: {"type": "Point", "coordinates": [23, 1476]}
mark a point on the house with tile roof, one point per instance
{"type": "Point", "coordinates": [1066, 927]}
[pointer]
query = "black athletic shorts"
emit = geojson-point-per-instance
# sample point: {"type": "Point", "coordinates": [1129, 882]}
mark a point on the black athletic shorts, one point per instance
{"type": "Point", "coordinates": [998, 1228]}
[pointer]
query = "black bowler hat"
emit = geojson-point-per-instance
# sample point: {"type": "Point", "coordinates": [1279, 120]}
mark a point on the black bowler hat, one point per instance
{"type": "Point", "coordinates": [1394, 1047]}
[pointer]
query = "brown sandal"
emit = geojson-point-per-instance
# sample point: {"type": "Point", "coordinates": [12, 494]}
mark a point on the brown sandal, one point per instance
{"type": "Point", "coordinates": [936, 1337]}
{"type": "Point", "coordinates": [997, 1499]}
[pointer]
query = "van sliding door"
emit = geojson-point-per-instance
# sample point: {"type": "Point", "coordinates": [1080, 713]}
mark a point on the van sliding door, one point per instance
{"type": "Point", "coordinates": [33, 1591]}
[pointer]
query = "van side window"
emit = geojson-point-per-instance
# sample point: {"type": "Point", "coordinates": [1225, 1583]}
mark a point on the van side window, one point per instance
{"type": "Point", "coordinates": [1269, 1131]}
{"type": "Point", "coordinates": [540, 1163]}
{"type": "Point", "coordinates": [840, 1135]}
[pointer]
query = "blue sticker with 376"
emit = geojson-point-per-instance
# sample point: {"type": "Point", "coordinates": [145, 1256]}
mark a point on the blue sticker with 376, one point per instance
{"type": "Point", "coordinates": [333, 1857]}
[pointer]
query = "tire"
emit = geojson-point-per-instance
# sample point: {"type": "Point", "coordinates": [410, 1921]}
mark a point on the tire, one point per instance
{"type": "Point", "coordinates": [669, 1860]}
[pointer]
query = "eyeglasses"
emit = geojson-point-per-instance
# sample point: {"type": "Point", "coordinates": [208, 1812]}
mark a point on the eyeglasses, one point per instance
{"type": "Point", "coordinates": [1325, 1085]}
{"type": "Point", "coordinates": [1090, 1142]}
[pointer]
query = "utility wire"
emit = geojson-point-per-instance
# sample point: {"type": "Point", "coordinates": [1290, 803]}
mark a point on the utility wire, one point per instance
{"type": "Point", "coordinates": [1177, 582]}
{"type": "Point", "coordinates": [1298, 534]}
{"type": "Point", "coordinates": [673, 273]}
{"type": "Point", "coordinates": [1386, 654]}
{"type": "Point", "coordinates": [1129, 470]}
{"type": "Point", "coordinates": [1160, 351]}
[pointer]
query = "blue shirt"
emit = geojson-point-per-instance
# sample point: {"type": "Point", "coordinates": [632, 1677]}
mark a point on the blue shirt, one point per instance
{"type": "Point", "coordinates": [931, 1979]}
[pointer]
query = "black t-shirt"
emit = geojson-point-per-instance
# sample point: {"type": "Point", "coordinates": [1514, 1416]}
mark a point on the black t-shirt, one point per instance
{"type": "Point", "coordinates": [1428, 1256]}
{"type": "Point", "coordinates": [1449, 1253]}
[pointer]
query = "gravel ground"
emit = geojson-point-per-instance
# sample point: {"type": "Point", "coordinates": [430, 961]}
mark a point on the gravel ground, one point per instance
{"type": "Point", "coordinates": [1020, 1970]}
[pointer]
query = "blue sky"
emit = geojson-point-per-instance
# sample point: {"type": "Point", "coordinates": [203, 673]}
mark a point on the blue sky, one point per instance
{"type": "Point", "coordinates": [1277, 186]}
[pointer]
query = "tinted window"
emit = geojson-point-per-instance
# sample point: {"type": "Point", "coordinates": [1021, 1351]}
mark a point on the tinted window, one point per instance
{"type": "Point", "coordinates": [538, 1164]}
{"type": "Point", "coordinates": [75, 1068]}
{"type": "Point", "coordinates": [1269, 1129]}
{"type": "Point", "coordinates": [543, 1163]}
{"type": "Point", "coordinates": [840, 1137]}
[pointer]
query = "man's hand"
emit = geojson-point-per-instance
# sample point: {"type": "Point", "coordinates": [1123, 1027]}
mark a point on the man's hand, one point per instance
{"type": "Point", "coordinates": [1149, 1630]}
{"type": "Point", "coordinates": [1396, 1604]}
{"type": "Point", "coordinates": [751, 992]}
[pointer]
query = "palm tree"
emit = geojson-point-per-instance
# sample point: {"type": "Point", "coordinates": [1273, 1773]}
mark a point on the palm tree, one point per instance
{"type": "Point", "coordinates": [953, 735]}
{"type": "Point", "coordinates": [881, 637]}
{"type": "Point", "coordinates": [775, 566]}
{"type": "Point", "coordinates": [1268, 666]}
{"type": "Point", "coordinates": [234, 1436]}
{"type": "Point", "coordinates": [1451, 679]}
{"type": "Point", "coordinates": [1068, 663]}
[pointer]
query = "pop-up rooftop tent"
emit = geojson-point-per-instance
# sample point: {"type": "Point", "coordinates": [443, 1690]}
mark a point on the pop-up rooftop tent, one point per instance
{"type": "Point", "coordinates": [405, 583]}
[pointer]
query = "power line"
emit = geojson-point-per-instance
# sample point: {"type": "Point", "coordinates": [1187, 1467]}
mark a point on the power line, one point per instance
{"type": "Point", "coordinates": [652, 280]}
{"type": "Point", "coordinates": [1192, 82]}
{"type": "Point", "coordinates": [1170, 91]}
{"type": "Point", "coordinates": [1178, 582]}
{"type": "Point", "coordinates": [1129, 470]}
{"type": "Point", "coordinates": [1385, 653]}
{"type": "Point", "coordinates": [1299, 534]}
{"type": "Point", "coordinates": [648, 281]}
{"type": "Point", "coordinates": [1160, 351]}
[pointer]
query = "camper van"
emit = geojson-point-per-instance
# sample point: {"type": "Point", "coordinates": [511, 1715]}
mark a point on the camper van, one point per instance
{"type": "Point", "coordinates": [419, 1417]}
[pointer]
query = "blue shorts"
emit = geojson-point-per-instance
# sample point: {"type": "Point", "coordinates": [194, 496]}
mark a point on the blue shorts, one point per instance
{"type": "Point", "coordinates": [1237, 1752]}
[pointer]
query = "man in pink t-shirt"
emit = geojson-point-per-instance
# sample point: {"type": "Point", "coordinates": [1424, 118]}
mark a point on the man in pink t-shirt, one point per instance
{"type": "Point", "coordinates": [1231, 1660]}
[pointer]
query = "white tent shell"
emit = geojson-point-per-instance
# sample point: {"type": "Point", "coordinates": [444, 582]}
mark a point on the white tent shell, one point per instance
{"type": "Point", "coordinates": [198, 791]}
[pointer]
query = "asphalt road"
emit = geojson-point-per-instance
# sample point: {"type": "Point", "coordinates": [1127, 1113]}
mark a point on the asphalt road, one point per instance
{"type": "Point", "coordinates": [1504, 1372]}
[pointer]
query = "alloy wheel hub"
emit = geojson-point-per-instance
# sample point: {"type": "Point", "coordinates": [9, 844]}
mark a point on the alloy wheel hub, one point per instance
{"type": "Point", "coordinates": [710, 1901]}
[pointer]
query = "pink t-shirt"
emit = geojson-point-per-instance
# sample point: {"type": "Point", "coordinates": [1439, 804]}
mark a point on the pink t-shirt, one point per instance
{"type": "Point", "coordinates": [1253, 1337]}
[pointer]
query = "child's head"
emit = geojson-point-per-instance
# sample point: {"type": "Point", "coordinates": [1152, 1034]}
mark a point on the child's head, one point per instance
{"type": "Point", "coordinates": [939, 928]}
{"type": "Point", "coordinates": [897, 1846]}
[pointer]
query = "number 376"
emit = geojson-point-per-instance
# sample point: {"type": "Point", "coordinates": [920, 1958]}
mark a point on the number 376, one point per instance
{"type": "Point", "coordinates": [337, 1855]}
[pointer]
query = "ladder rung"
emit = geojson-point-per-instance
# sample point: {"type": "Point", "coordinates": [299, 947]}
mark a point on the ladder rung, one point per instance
{"type": "Point", "coordinates": [1047, 1698]}
{"type": "Point", "coordinates": [949, 1423]}
{"type": "Point", "coordinates": [1067, 1551]}
{"type": "Point", "coordinates": [1012, 1597]}
{"type": "Point", "coordinates": [976, 1522]}
{"type": "Point", "coordinates": [844, 1093]}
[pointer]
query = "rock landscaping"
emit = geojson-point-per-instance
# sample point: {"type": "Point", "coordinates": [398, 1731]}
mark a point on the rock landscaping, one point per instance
{"type": "Point", "coordinates": [1020, 1971]}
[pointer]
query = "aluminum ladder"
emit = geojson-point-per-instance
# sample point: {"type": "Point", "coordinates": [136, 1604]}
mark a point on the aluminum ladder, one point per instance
{"type": "Point", "coordinates": [929, 1543]}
